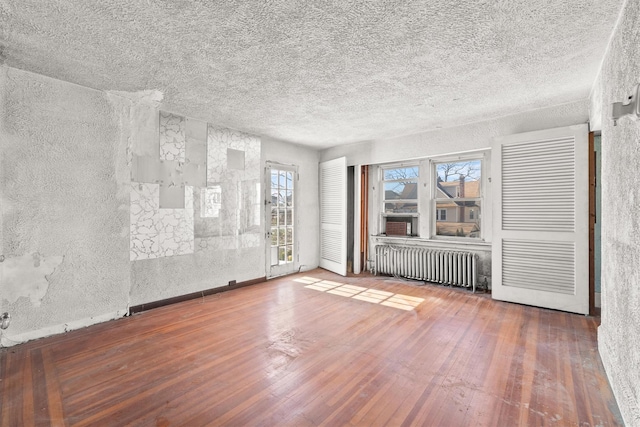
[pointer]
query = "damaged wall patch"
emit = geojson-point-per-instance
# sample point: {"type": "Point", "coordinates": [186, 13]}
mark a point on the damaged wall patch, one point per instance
{"type": "Point", "coordinates": [27, 276]}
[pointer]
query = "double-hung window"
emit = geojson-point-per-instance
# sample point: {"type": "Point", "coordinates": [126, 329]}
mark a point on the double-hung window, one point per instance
{"type": "Point", "coordinates": [400, 200]}
{"type": "Point", "coordinates": [457, 198]}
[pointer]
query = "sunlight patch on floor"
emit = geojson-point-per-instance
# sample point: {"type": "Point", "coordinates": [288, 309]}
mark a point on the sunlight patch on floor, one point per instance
{"type": "Point", "coordinates": [374, 296]}
{"type": "Point", "coordinates": [306, 280]}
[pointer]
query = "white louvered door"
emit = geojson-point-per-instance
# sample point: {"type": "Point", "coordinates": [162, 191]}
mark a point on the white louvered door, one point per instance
{"type": "Point", "coordinates": [540, 250]}
{"type": "Point", "coordinates": [333, 215]}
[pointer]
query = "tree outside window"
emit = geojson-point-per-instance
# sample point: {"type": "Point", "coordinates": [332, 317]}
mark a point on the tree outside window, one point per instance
{"type": "Point", "coordinates": [458, 198]}
{"type": "Point", "coordinates": [400, 199]}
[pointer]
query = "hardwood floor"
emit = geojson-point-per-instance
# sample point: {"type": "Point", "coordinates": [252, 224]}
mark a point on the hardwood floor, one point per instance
{"type": "Point", "coordinates": [280, 353]}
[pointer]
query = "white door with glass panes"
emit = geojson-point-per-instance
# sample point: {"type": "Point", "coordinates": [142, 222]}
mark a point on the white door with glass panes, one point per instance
{"type": "Point", "coordinates": [540, 253]}
{"type": "Point", "coordinates": [280, 219]}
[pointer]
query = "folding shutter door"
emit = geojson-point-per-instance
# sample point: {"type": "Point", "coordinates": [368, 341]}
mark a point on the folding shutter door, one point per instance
{"type": "Point", "coordinates": [541, 249]}
{"type": "Point", "coordinates": [333, 215]}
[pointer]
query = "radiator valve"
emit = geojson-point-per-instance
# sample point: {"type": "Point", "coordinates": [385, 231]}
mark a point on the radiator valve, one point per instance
{"type": "Point", "coordinates": [484, 285]}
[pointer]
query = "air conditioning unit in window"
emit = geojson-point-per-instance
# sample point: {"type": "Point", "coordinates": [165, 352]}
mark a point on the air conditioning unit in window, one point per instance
{"type": "Point", "coordinates": [398, 228]}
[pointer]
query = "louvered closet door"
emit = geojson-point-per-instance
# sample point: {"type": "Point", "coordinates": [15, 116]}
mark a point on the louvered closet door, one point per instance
{"type": "Point", "coordinates": [541, 247]}
{"type": "Point", "coordinates": [333, 215]}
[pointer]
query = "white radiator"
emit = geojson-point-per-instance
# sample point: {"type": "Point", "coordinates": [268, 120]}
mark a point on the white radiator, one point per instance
{"type": "Point", "coordinates": [439, 266]}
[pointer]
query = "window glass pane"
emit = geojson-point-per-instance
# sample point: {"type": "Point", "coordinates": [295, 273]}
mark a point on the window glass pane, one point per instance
{"type": "Point", "coordinates": [274, 237]}
{"type": "Point", "coordinates": [289, 236]}
{"type": "Point", "coordinates": [400, 190]}
{"type": "Point", "coordinates": [289, 218]}
{"type": "Point", "coordinates": [274, 217]}
{"type": "Point", "coordinates": [289, 198]}
{"type": "Point", "coordinates": [458, 179]}
{"type": "Point", "coordinates": [401, 173]}
{"type": "Point", "coordinates": [282, 182]}
{"type": "Point", "coordinates": [411, 207]}
{"type": "Point", "coordinates": [461, 219]}
{"type": "Point", "coordinates": [281, 254]}
{"type": "Point", "coordinates": [289, 180]}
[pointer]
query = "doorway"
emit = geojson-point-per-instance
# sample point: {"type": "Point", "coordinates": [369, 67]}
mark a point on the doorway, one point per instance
{"type": "Point", "coordinates": [597, 223]}
{"type": "Point", "coordinates": [280, 212]}
{"type": "Point", "coordinates": [350, 218]}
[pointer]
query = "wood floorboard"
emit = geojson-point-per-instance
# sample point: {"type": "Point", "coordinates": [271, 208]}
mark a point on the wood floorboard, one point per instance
{"type": "Point", "coordinates": [40, 400]}
{"type": "Point", "coordinates": [28, 412]}
{"type": "Point", "coordinates": [278, 353]}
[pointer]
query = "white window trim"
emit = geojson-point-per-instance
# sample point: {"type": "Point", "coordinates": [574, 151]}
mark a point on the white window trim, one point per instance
{"type": "Point", "coordinates": [485, 218]}
{"type": "Point", "coordinates": [425, 229]}
{"type": "Point", "coordinates": [381, 180]}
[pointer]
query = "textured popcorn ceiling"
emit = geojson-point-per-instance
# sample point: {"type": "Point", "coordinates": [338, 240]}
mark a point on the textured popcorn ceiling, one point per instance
{"type": "Point", "coordinates": [320, 73]}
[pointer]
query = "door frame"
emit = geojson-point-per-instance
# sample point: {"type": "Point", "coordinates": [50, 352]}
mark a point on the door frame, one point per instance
{"type": "Point", "coordinates": [289, 267]}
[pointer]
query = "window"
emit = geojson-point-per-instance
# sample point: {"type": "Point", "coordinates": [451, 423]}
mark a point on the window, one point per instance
{"type": "Point", "coordinates": [282, 216]}
{"type": "Point", "coordinates": [400, 200]}
{"type": "Point", "coordinates": [458, 198]}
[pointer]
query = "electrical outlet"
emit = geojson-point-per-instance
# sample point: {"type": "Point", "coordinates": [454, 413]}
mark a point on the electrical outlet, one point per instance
{"type": "Point", "coordinates": [232, 282]}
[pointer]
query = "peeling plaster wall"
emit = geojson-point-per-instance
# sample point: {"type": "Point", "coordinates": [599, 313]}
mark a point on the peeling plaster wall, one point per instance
{"type": "Point", "coordinates": [308, 198]}
{"type": "Point", "coordinates": [27, 276]}
{"type": "Point", "coordinates": [161, 278]}
{"type": "Point", "coordinates": [468, 137]}
{"type": "Point", "coordinates": [619, 333]}
{"type": "Point", "coordinates": [225, 243]}
{"type": "Point", "coordinates": [64, 207]}
{"type": "Point", "coordinates": [68, 154]}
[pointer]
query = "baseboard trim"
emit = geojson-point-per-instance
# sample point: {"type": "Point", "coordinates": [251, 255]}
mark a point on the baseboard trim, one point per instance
{"type": "Point", "coordinates": [174, 300]}
{"type": "Point", "coordinates": [9, 341]}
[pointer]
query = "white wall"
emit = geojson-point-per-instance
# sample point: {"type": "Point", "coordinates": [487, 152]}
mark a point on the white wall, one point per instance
{"type": "Point", "coordinates": [619, 332]}
{"type": "Point", "coordinates": [308, 201]}
{"type": "Point", "coordinates": [469, 137]}
{"type": "Point", "coordinates": [460, 139]}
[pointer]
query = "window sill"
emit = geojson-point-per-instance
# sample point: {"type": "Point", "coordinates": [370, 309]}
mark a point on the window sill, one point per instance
{"type": "Point", "coordinates": [434, 243]}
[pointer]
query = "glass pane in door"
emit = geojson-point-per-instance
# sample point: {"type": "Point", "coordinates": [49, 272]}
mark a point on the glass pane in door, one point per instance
{"type": "Point", "coordinates": [282, 216]}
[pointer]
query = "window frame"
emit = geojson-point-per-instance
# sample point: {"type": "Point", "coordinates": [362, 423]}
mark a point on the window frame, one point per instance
{"type": "Point", "coordinates": [285, 207]}
{"type": "Point", "coordinates": [433, 200]}
{"type": "Point", "coordinates": [413, 217]}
